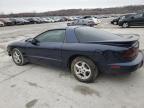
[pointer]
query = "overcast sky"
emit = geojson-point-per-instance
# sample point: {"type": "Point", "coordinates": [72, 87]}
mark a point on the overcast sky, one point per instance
{"type": "Point", "coordinates": [16, 6]}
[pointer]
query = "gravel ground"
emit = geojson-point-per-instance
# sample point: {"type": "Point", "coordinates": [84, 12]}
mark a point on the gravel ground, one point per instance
{"type": "Point", "coordinates": [42, 86]}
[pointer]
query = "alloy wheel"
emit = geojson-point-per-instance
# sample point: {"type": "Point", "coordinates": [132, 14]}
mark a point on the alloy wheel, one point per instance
{"type": "Point", "coordinates": [125, 25]}
{"type": "Point", "coordinates": [17, 57]}
{"type": "Point", "coordinates": [82, 70]}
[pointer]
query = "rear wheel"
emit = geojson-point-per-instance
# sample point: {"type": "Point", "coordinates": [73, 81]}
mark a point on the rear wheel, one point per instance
{"type": "Point", "coordinates": [125, 25]}
{"type": "Point", "coordinates": [84, 69]}
{"type": "Point", "coordinates": [17, 57]}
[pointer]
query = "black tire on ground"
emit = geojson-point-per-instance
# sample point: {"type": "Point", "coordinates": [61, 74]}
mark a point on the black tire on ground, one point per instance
{"type": "Point", "coordinates": [94, 70]}
{"type": "Point", "coordinates": [125, 25]}
{"type": "Point", "coordinates": [21, 61]}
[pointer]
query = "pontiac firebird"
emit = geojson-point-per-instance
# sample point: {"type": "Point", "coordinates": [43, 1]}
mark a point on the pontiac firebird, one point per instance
{"type": "Point", "coordinates": [86, 51]}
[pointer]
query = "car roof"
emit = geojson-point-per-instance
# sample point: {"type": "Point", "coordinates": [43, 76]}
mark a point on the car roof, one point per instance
{"type": "Point", "coordinates": [68, 27]}
{"type": "Point", "coordinates": [74, 27]}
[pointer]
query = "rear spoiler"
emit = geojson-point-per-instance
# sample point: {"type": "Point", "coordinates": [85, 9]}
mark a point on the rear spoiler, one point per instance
{"type": "Point", "coordinates": [130, 40]}
{"type": "Point", "coordinates": [130, 36]}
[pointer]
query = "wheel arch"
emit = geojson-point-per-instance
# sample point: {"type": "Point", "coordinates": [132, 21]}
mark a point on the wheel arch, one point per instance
{"type": "Point", "coordinates": [71, 58]}
{"type": "Point", "coordinates": [10, 48]}
{"type": "Point", "coordinates": [13, 47]}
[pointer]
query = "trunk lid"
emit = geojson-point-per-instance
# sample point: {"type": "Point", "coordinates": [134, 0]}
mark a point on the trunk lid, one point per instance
{"type": "Point", "coordinates": [129, 42]}
{"type": "Point", "coordinates": [126, 41]}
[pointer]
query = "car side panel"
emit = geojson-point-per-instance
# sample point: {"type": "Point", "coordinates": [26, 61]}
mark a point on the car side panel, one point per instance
{"type": "Point", "coordinates": [100, 54]}
{"type": "Point", "coordinates": [137, 21]}
{"type": "Point", "coordinates": [20, 45]}
{"type": "Point", "coordinates": [45, 52]}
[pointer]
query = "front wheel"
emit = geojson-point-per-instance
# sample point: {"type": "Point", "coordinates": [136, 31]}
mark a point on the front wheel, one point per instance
{"type": "Point", "coordinates": [17, 57]}
{"type": "Point", "coordinates": [84, 69]}
{"type": "Point", "coordinates": [125, 25]}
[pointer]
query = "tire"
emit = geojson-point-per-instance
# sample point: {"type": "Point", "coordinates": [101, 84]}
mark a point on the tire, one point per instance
{"type": "Point", "coordinates": [125, 25]}
{"type": "Point", "coordinates": [84, 70]}
{"type": "Point", "coordinates": [17, 57]}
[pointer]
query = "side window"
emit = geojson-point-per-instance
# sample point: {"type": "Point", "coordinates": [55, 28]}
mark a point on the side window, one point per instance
{"type": "Point", "coordinates": [52, 36]}
{"type": "Point", "coordinates": [138, 16]}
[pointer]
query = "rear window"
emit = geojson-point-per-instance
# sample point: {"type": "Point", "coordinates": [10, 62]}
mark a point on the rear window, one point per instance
{"type": "Point", "coordinates": [89, 34]}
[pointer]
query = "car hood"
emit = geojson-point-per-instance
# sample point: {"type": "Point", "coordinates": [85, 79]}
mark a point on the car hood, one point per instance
{"type": "Point", "coordinates": [19, 43]}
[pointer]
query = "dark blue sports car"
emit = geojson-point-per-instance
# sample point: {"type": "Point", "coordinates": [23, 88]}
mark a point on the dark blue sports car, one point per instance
{"type": "Point", "coordinates": [86, 51]}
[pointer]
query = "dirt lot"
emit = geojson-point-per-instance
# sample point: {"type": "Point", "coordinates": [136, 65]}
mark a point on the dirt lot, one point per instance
{"type": "Point", "coordinates": [38, 86]}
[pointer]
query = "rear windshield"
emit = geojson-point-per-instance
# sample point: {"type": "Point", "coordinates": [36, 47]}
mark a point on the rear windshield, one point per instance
{"type": "Point", "coordinates": [89, 34]}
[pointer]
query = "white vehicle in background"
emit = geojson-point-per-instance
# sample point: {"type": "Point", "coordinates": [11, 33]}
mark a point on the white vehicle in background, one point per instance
{"type": "Point", "coordinates": [56, 19]}
{"type": "Point", "coordinates": [87, 20]}
{"type": "Point", "coordinates": [50, 20]}
{"type": "Point", "coordinates": [1, 24]}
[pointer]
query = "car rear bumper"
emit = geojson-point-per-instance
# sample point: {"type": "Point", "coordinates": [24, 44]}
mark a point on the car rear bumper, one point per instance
{"type": "Point", "coordinates": [126, 67]}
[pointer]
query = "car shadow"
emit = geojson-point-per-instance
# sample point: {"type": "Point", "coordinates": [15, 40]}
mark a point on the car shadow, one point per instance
{"type": "Point", "coordinates": [115, 77]}
{"type": "Point", "coordinates": [103, 77]}
{"type": "Point", "coordinates": [59, 69]}
{"type": "Point", "coordinates": [50, 66]}
{"type": "Point", "coordinates": [136, 26]}
{"type": "Point", "coordinates": [127, 78]}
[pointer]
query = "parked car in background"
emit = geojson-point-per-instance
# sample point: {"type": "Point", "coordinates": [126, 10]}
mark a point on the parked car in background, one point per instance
{"type": "Point", "coordinates": [33, 20]}
{"type": "Point", "coordinates": [40, 20]}
{"type": "Point", "coordinates": [116, 20]}
{"type": "Point", "coordinates": [69, 18]}
{"type": "Point", "coordinates": [87, 20]}
{"type": "Point", "coordinates": [6, 21]}
{"type": "Point", "coordinates": [50, 20]}
{"type": "Point", "coordinates": [74, 23]}
{"type": "Point", "coordinates": [24, 20]}
{"type": "Point", "coordinates": [1, 24]}
{"type": "Point", "coordinates": [45, 20]}
{"type": "Point", "coordinates": [19, 21]}
{"type": "Point", "coordinates": [75, 17]}
{"type": "Point", "coordinates": [132, 20]}
{"type": "Point", "coordinates": [62, 19]}
{"type": "Point", "coordinates": [56, 19]}
{"type": "Point", "coordinates": [86, 51]}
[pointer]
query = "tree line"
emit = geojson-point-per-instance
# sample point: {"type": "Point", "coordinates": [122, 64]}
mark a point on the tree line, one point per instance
{"type": "Point", "coordinates": [73, 12]}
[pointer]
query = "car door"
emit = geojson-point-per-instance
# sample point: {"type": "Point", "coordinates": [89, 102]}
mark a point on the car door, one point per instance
{"type": "Point", "coordinates": [48, 46]}
{"type": "Point", "coordinates": [137, 20]}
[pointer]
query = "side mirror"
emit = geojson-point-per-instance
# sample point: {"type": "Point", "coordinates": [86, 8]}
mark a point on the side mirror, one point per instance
{"type": "Point", "coordinates": [32, 41]}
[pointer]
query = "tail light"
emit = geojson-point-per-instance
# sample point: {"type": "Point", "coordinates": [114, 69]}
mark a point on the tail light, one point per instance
{"type": "Point", "coordinates": [131, 53]}
{"type": "Point", "coordinates": [115, 67]}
